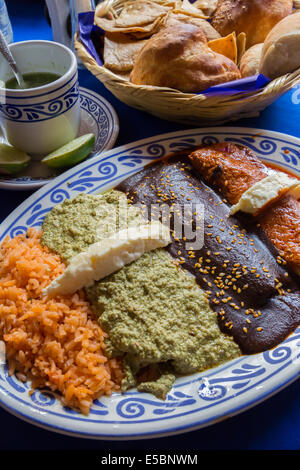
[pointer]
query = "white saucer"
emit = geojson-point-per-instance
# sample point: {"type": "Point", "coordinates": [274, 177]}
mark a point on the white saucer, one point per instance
{"type": "Point", "coordinates": [97, 116]}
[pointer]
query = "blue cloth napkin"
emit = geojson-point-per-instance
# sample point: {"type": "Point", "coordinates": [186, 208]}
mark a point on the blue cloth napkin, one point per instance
{"type": "Point", "coordinates": [87, 29]}
{"type": "Point", "coordinates": [88, 32]}
{"type": "Point", "coordinates": [244, 85]}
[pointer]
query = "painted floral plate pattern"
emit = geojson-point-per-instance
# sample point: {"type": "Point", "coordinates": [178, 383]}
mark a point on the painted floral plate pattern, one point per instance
{"type": "Point", "coordinates": [195, 401]}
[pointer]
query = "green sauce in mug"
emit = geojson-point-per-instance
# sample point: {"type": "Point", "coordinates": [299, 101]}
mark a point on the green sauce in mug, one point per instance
{"type": "Point", "coordinates": [32, 80]}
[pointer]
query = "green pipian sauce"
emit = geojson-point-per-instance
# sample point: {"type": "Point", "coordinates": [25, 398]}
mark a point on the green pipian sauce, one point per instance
{"type": "Point", "coordinates": [32, 80]}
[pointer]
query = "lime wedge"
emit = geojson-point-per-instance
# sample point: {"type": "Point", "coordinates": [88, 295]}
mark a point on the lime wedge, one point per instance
{"type": "Point", "coordinates": [71, 153]}
{"type": "Point", "coordinates": [12, 160]}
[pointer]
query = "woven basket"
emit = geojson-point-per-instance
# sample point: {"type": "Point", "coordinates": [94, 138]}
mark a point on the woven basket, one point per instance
{"type": "Point", "coordinates": [188, 108]}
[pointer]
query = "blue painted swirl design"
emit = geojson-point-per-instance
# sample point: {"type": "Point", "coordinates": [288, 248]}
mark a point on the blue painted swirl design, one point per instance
{"type": "Point", "coordinates": [240, 377]}
{"type": "Point", "coordinates": [184, 144]}
{"type": "Point", "coordinates": [135, 407]}
{"type": "Point", "coordinates": [209, 140]}
{"type": "Point", "coordinates": [43, 398]}
{"type": "Point", "coordinates": [17, 230]}
{"type": "Point", "coordinates": [211, 392]}
{"type": "Point", "coordinates": [59, 195]}
{"type": "Point", "coordinates": [136, 157]}
{"type": "Point", "coordinates": [174, 401]}
{"type": "Point", "coordinates": [275, 356]}
{"type": "Point", "coordinates": [41, 111]}
{"type": "Point", "coordinates": [86, 180]}
{"type": "Point", "coordinates": [263, 147]}
{"type": "Point", "coordinates": [132, 408]}
{"type": "Point", "coordinates": [37, 216]}
{"type": "Point", "coordinates": [100, 115]}
{"type": "Point", "coordinates": [290, 155]}
{"type": "Point", "coordinates": [18, 386]}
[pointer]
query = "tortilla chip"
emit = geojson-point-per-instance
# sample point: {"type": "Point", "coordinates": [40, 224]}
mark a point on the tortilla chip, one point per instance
{"type": "Point", "coordinates": [139, 13]}
{"type": "Point", "coordinates": [169, 3]}
{"type": "Point", "coordinates": [144, 30]}
{"type": "Point", "coordinates": [189, 9]}
{"type": "Point", "coordinates": [241, 46]}
{"type": "Point", "coordinates": [156, 26]}
{"type": "Point", "coordinates": [226, 46]}
{"type": "Point", "coordinates": [207, 6]}
{"type": "Point", "coordinates": [141, 16]}
{"type": "Point", "coordinates": [120, 51]}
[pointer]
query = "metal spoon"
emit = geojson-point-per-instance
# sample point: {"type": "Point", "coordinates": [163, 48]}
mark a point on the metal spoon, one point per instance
{"type": "Point", "coordinates": [4, 49]}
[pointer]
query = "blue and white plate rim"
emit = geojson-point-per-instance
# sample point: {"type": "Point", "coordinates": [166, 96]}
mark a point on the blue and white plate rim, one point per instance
{"type": "Point", "coordinates": [196, 401]}
{"type": "Point", "coordinates": [101, 144]}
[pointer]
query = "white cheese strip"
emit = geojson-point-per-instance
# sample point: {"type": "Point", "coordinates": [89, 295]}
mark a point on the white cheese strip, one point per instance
{"type": "Point", "coordinates": [108, 256]}
{"type": "Point", "coordinates": [265, 191]}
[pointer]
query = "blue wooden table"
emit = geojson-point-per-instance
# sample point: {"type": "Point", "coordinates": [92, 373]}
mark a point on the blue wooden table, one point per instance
{"type": "Point", "coordinates": [272, 425]}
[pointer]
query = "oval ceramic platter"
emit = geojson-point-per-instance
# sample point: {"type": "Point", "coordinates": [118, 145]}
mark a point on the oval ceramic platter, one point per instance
{"type": "Point", "coordinates": [195, 401]}
{"type": "Point", "coordinates": [97, 116]}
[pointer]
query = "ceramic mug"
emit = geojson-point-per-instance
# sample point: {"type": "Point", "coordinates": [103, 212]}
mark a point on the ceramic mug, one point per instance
{"type": "Point", "coordinates": [42, 119]}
